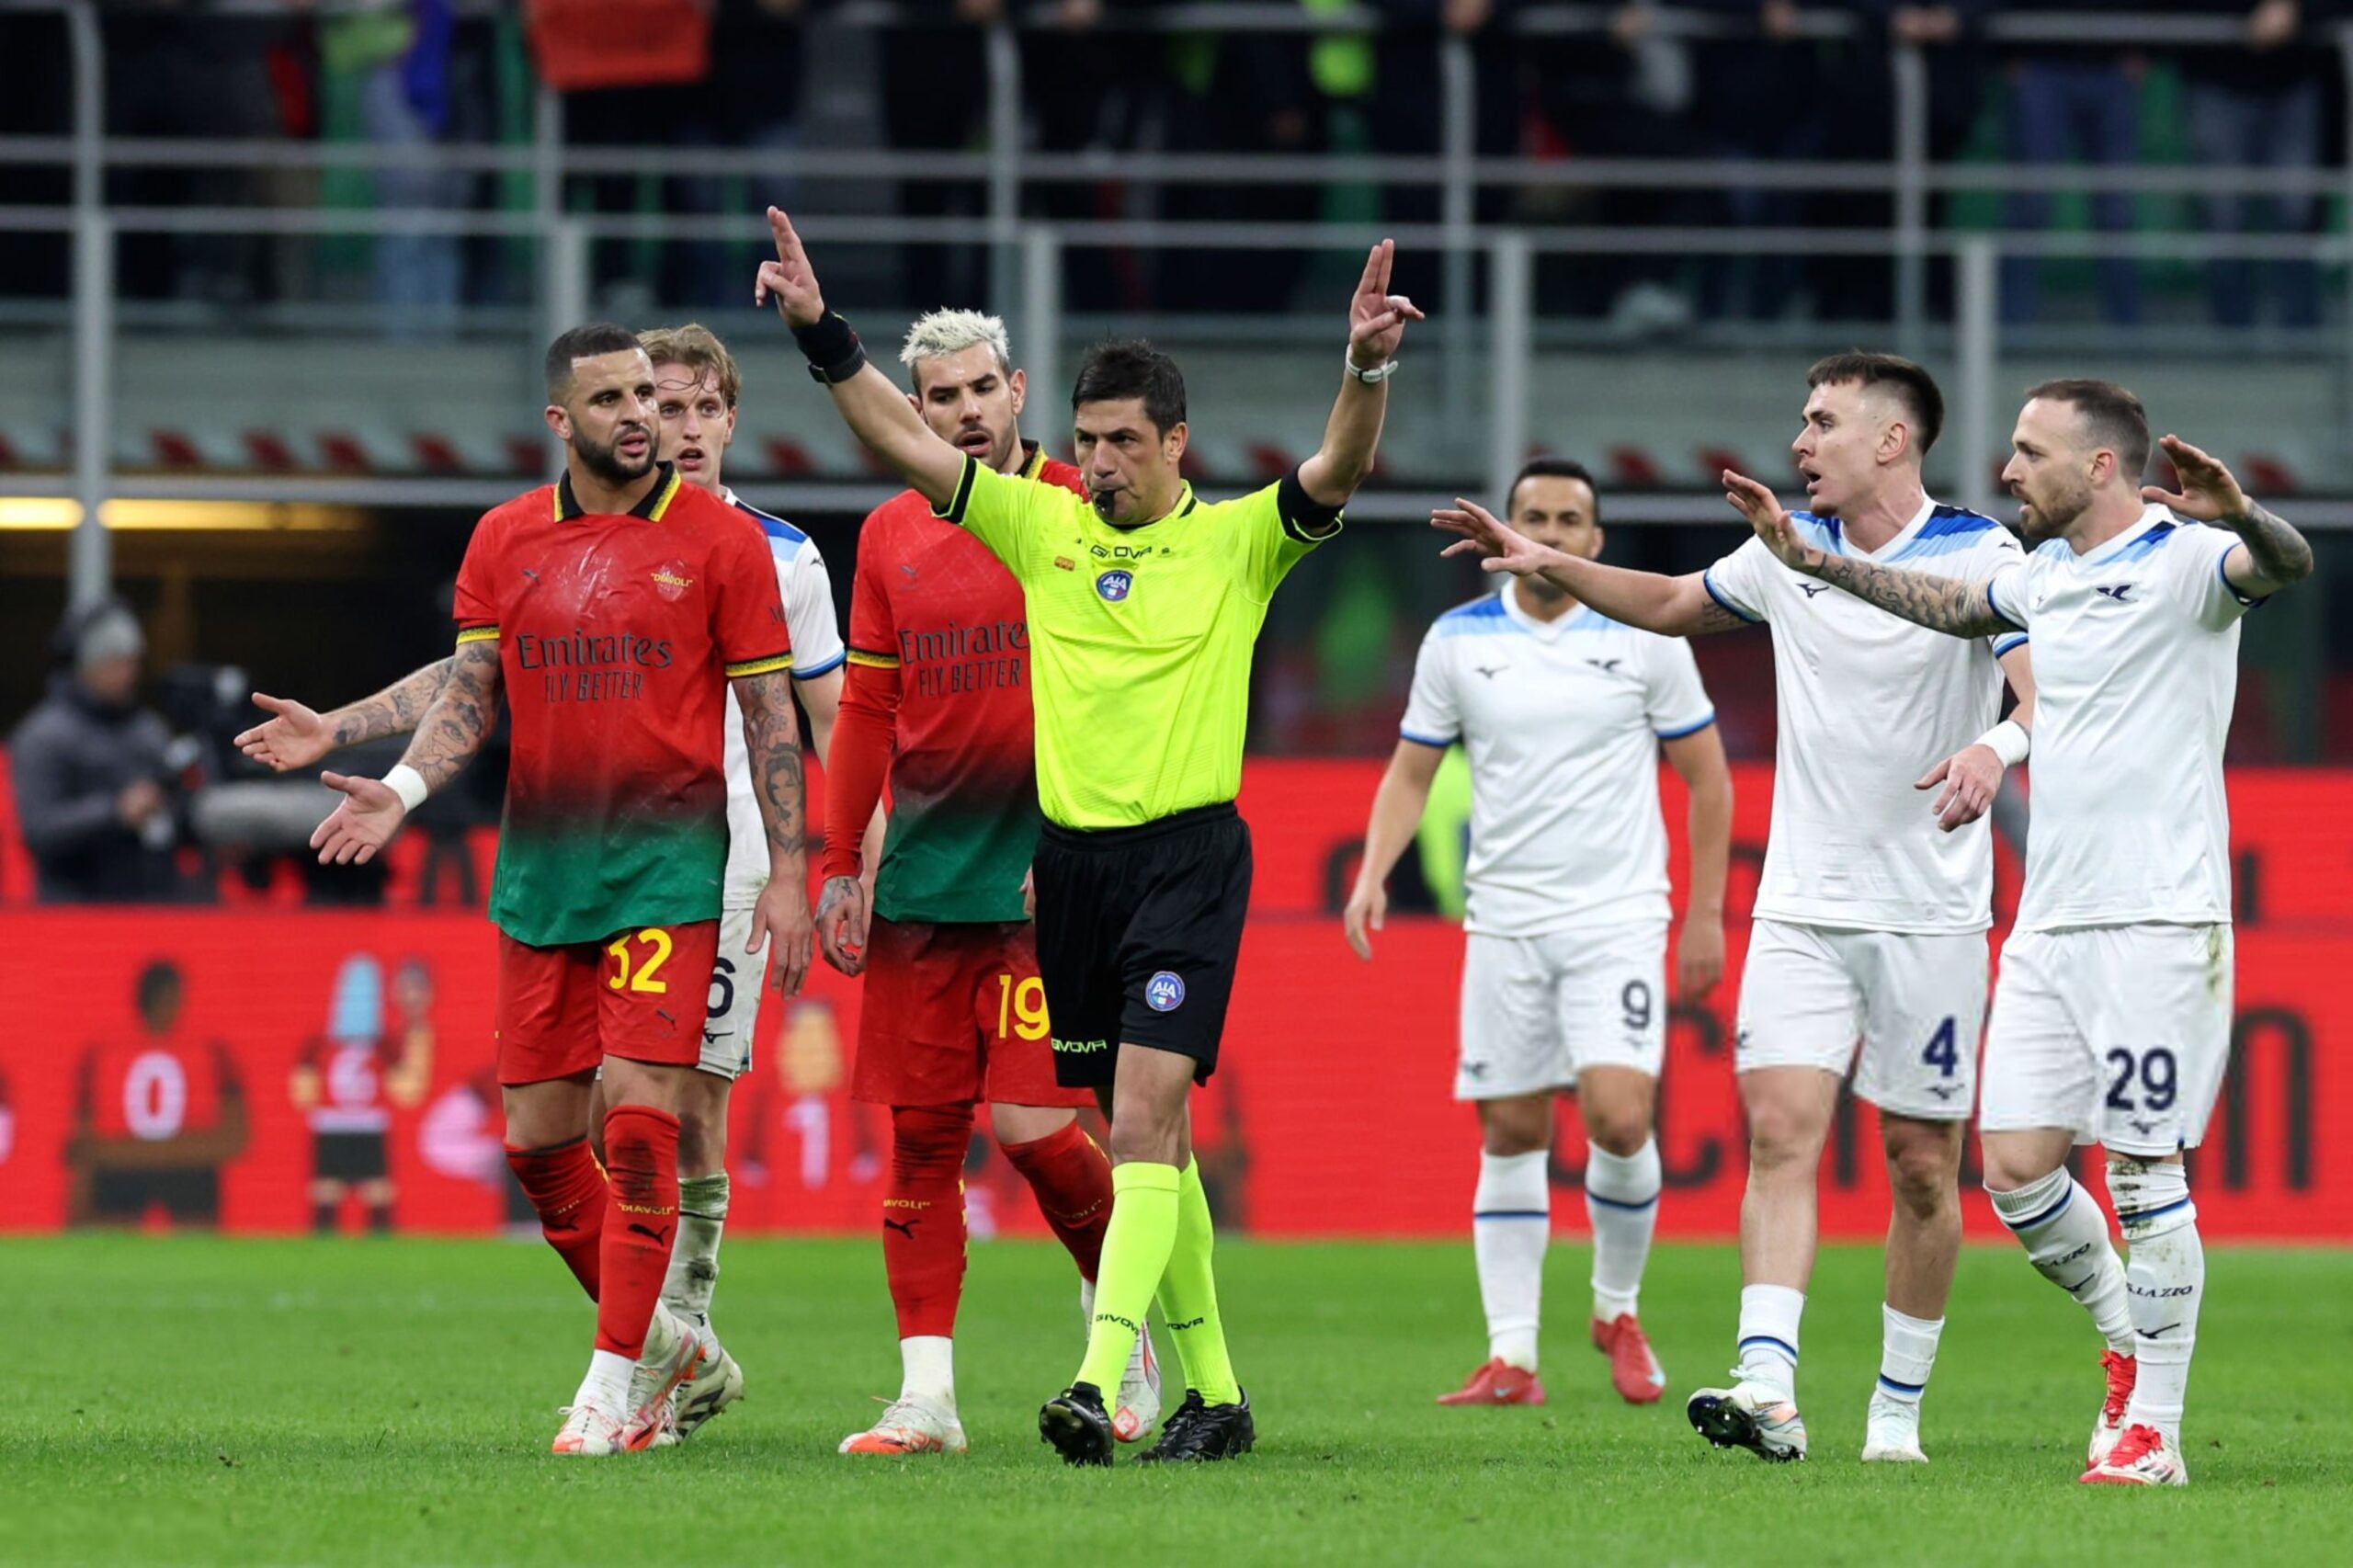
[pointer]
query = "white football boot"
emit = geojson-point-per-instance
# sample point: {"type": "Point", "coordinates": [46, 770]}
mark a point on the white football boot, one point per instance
{"type": "Point", "coordinates": [589, 1432]}
{"type": "Point", "coordinates": [909, 1425]}
{"type": "Point", "coordinates": [2141, 1457]}
{"type": "Point", "coordinates": [1750, 1415]}
{"type": "Point", "coordinates": [717, 1383]}
{"type": "Point", "coordinates": [671, 1356]}
{"type": "Point", "coordinates": [1892, 1432]}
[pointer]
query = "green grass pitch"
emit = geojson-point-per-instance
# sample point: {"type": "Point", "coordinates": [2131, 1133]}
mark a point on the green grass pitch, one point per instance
{"type": "Point", "coordinates": [203, 1400]}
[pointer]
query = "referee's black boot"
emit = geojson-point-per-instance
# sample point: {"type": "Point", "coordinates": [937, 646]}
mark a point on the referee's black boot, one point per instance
{"type": "Point", "coordinates": [1078, 1426]}
{"type": "Point", "coordinates": [1200, 1433]}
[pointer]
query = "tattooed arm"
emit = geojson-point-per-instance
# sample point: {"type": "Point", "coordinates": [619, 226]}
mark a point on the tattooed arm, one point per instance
{"type": "Point", "coordinates": [1940, 604]}
{"type": "Point", "coordinates": [2274, 555]}
{"type": "Point", "coordinates": [1672, 607]}
{"type": "Point", "coordinates": [772, 738]}
{"type": "Point", "coordinates": [297, 737]}
{"type": "Point", "coordinates": [448, 736]}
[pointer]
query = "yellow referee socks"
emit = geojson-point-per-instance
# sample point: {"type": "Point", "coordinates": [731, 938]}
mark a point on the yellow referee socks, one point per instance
{"type": "Point", "coordinates": [1188, 1296]}
{"type": "Point", "coordinates": [1135, 1252]}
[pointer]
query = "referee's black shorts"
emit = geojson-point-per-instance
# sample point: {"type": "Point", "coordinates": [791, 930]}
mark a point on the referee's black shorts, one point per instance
{"type": "Point", "coordinates": [1139, 929]}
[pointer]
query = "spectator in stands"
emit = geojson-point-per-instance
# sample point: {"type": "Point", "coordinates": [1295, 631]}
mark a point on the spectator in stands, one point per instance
{"type": "Point", "coordinates": [1768, 98]}
{"type": "Point", "coordinates": [2065, 101]}
{"type": "Point", "coordinates": [94, 796]}
{"type": "Point", "coordinates": [2262, 107]}
{"type": "Point", "coordinates": [402, 53]}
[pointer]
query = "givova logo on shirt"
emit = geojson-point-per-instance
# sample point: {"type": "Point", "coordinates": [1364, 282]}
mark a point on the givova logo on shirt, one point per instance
{"type": "Point", "coordinates": [1114, 586]}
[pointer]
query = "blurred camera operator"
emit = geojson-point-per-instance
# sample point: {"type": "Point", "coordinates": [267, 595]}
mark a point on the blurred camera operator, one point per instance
{"type": "Point", "coordinates": [93, 770]}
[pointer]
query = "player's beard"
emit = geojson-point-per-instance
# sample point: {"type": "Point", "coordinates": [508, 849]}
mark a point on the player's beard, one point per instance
{"type": "Point", "coordinates": [607, 462]}
{"type": "Point", "coordinates": [2049, 519]}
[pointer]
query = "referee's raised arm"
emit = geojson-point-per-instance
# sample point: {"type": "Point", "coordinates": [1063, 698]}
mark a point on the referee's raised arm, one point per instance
{"type": "Point", "coordinates": [878, 412]}
{"type": "Point", "coordinates": [1377, 321]}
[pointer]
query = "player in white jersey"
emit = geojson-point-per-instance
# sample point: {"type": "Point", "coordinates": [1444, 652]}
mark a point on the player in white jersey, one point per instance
{"type": "Point", "coordinates": [1869, 951]}
{"type": "Point", "coordinates": [696, 386]}
{"type": "Point", "coordinates": [2112, 1021]}
{"type": "Point", "coordinates": [1564, 713]}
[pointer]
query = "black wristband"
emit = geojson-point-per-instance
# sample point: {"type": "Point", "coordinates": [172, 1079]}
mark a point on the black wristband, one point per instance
{"type": "Point", "coordinates": [833, 349]}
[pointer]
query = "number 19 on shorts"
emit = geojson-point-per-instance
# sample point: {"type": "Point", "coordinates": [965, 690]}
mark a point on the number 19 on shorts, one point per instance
{"type": "Point", "coordinates": [1020, 1007]}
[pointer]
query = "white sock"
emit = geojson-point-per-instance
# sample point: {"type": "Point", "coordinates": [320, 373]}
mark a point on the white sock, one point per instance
{"type": "Point", "coordinates": [694, 1261]}
{"type": "Point", "coordinates": [606, 1384]}
{"type": "Point", "coordinates": [1768, 1336]}
{"type": "Point", "coordinates": [1907, 1349]}
{"type": "Point", "coordinates": [927, 1369]}
{"type": "Point", "coordinates": [2066, 1240]}
{"type": "Point", "coordinates": [1622, 1201]}
{"type": "Point", "coordinates": [2165, 1282]}
{"type": "Point", "coordinates": [1511, 1220]}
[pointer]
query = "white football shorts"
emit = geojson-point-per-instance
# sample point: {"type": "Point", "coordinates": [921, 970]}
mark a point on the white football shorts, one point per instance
{"type": "Point", "coordinates": [1903, 1011]}
{"type": "Point", "coordinates": [2120, 1034]}
{"type": "Point", "coordinates": [737, 980]}
{"type": "Point", "coordinates": [1539, 1010]}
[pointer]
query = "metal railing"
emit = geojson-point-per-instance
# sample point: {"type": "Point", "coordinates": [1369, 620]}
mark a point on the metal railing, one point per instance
{"type": "Point", "coordinates": [1026, 256]}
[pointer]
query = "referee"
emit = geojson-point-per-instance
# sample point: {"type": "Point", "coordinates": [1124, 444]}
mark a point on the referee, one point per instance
{"type": "Point", "coordinates": [1143, 604]}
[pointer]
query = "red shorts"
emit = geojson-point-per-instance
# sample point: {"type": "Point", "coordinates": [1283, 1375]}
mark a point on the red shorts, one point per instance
{"type": "Point", "coordinates": [955, 1013]}
{"type": "Point", "coordinates": [640, 995]}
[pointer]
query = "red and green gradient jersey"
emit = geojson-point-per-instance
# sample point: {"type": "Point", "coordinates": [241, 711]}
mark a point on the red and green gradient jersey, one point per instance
{"type": "Point", "coordinates": [931, 602]}
{"type": "Point", "coordinates": [616, 636]}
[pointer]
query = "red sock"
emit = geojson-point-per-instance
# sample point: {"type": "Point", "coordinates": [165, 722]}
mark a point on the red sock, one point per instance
{"type": "Point", "coordinates": [641, 1222]}
{"type": "Point", "coordinates": [922, 1216]}
{"type": "Point", "coordinates": [568, 1191]}
{"type": "Point", "coordinates": [1072, 1180]}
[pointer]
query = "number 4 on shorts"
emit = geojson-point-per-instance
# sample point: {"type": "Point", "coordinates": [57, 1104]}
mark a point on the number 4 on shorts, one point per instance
{"type": "Point", "coordinates": [1944, 1048]}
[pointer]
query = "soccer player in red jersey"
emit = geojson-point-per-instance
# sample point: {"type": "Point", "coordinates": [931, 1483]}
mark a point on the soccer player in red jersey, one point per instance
{"type": "Point", "coordinates": [939, 699]}
{"type": "Point", "coordinates": [614, 611]}
{"type": "Point", "coordinates": [696, 387]}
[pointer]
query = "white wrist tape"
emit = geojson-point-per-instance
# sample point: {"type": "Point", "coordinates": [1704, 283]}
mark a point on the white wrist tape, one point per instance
{"type": "Point", "coordinates": [409, 785]}
{"type": "Point", "coordinates": [2009, 741]}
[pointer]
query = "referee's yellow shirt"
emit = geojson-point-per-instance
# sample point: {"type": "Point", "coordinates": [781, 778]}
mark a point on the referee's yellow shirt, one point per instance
{"type": "Point", "coordinates": [1139, 638]}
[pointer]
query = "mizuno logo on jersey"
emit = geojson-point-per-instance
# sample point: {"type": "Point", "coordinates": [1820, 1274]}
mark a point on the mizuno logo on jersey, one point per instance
{"type": "Point", "coordinates": [1491, 671]}
{"type": "Point", "coordinates": [2117, 591]}
{"type": "Point", "coordinates": [1810, 589]}
{"type": "Point", "coordinates": [1604, 664]}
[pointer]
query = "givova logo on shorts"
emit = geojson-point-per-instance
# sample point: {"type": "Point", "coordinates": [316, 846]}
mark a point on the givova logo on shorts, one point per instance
{"type": "Point", "coordinates": [1164, 991]}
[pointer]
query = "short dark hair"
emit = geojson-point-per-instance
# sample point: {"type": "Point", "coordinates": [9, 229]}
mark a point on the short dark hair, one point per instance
{"type": "Point", "coordinates": [582, 343]}
{"type": "Point", "coordinates": [1133, 368]}
{"type": "Point", "coordinates": [2113, 415]}
{"type": "Point", "coordinates": [1911, 383]}
{"type": "Point", "coordinates": [1554, 468]}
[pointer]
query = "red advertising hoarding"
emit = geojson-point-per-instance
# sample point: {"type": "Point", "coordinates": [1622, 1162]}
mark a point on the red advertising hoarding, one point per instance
{"type": "Point", "coordinates": [167, 1067]}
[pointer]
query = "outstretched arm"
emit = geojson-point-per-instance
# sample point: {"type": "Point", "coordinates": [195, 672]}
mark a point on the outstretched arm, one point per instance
{"type": "Point", "coordinates": [1940, 604]}
{"type": "Point", "coordinates": [2271, 553]}
{"type": "Point", "coordinates": [877, 412]}
{"type": "Point", "coordinates": [772, 739]}
{"type": "Point", "coordinates": [1673, 607]}
{"type": "Point", "coordinates": [297, 737]}
{"type": "Point", "coordinates": [1377, 321]}
{"type": "Point", "coordinates": [448, 734]}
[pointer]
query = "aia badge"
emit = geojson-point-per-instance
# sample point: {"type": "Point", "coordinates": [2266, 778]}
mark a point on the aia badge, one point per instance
{"type": "Point", "coordinates": [1164, 991]}
{"type": "Point", "coordinates": [1114, 586]}
{"type": "Point", "coordinates": [672, 582]}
